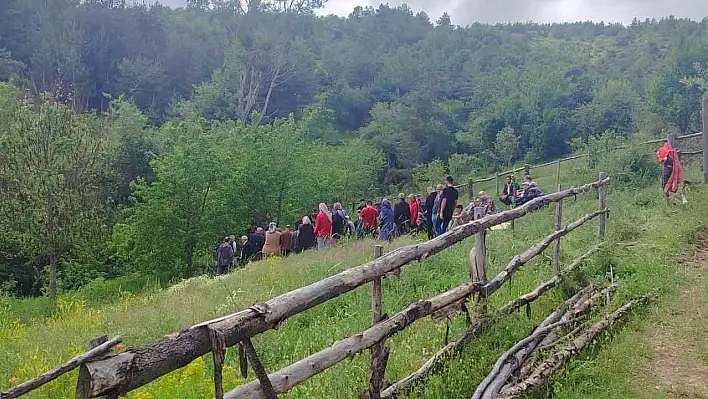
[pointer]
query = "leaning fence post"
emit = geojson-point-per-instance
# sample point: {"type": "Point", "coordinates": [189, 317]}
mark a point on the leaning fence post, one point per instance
{"type": "Point", "coordinates": [470, 189]}
{"type": "Point", "coordinates": [704, 139]}
{"type": "Point", "coordinates": [557, 243]}
{"type": "Point", "coordinates": [379, 352]}
{"type": "Point", "coordinates": [478, 261]}
{"type": "Point", "coordinates": [602, 196]}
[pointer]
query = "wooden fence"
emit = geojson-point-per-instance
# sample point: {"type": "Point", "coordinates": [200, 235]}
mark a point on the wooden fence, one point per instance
{"type": "Point", "coordinates": [526, 169]}
{"type": "Point", "coordinates": [126, 371]}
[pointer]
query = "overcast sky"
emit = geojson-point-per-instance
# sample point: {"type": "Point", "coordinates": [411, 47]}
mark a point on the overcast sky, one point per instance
{"type": "Point", "coordinates": [464, 12]}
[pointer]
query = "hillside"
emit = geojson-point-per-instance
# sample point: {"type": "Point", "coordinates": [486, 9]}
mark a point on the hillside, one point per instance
{"type": "Point", "coordinates": [647, 241]}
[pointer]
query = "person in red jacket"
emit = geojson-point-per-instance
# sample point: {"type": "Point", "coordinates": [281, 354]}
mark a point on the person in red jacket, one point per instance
{"type": "Point", "coordinates": [369, 215]}
{"type": "Point", "coordinates": [413, 205]}
{"type": "Point", "coordinates": [323, 228]}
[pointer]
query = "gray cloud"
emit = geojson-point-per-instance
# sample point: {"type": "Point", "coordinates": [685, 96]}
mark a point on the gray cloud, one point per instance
{"type": "Point", "coordinates": [468, 11]}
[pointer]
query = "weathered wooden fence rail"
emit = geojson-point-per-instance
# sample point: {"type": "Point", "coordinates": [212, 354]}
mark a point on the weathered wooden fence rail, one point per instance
{"type": "Point", "coordinates": [138, 366]}
{"type": "Point", "coordinates": [671, 138]}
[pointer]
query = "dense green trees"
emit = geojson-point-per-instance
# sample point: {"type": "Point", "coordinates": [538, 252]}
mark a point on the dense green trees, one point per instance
{"type": "Point", "coordinates": [191, 123]}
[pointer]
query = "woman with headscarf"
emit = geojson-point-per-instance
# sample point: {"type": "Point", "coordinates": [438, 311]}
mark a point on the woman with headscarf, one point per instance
{"type": "Point", "coordinates": [387, 223]}
{"type": "Point", "coordinates": [323, 228]}
{"type": "Point", "coordinates": [272, 241]}
{"type": "Point", "coordinates": [306, 234]}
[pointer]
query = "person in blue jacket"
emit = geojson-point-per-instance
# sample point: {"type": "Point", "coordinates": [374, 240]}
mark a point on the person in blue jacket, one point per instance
{"type": "Point", "coordinates": [387, 224]}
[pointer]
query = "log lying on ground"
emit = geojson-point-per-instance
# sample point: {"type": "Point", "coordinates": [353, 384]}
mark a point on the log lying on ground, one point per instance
{"type": "Point", "coordinates": [139, 366]}
{"type": "Point", "coordinates": [55, 373]}
{"type": "Point", "coordinates": [581, 306]}
{"type": "Point", "coordinates": [544, 371]}
{"type": "Point", "coordinates": [503, 368]}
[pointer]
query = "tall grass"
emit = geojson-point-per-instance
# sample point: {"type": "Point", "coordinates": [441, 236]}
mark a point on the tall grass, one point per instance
{"type": "Point", "coordinates": [645, 238]}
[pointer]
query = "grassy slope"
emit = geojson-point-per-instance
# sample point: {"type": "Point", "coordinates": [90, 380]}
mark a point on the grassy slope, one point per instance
{"type": "Point", "coordinates": [658, 235]}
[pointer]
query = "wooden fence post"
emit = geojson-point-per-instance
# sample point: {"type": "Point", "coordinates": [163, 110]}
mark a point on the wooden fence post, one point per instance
{"type": "Point", "coordinates": [602, 195]}
{"type": "Point", "coordinates": [704, 117]}
{"type": "Point", "coordinates": [470, 189]}
{"type": "Point", "coordinates": [478, 261]}
{"type": "Point", "coordinates": [379, 352]}
{"type": "Point", "coordinates": [497, 181]}
{"type": "Point", "coordinates": [558, 174]}
{"type": "Point", "coordinates": [556, 245]}
{"type": "Point", "coordinates": [527, 170]}
{"type": "Point", "coordinates": [671, 139]}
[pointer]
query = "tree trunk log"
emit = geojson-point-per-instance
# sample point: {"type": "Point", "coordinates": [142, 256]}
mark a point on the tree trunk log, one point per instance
{"type": "Point", "coordinates": [538, 378]}
{"type": "Point", "coordinates": [503, 370]}
{"type": "Point", "coordinates": [139, 366]}
{"type": "Point", "coordinates": [63, 369]}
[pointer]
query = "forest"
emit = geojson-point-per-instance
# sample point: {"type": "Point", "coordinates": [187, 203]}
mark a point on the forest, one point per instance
{"type": "Point", "coordinates": [133, 136]}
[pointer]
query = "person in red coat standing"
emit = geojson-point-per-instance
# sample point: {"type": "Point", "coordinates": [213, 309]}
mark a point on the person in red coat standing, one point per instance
{"type": "Point", "coordinates": [368, 216]}
{"type": "Point", "coordinates": [414, 207]}
{"type": "Point", "coordinates": [323, 228]}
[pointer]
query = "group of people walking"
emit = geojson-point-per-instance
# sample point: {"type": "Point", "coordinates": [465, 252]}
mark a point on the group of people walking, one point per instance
{"type": "Point", "coordinates": [323, 228]}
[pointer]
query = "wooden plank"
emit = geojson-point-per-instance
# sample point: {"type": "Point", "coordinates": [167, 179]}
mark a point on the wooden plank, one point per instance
{"type": "Point", "coordinates": [602, 224]}
{"type": "Point", "coordinates": [218, 350]}
{"type": "Point", "coordinates": [379, 352]}
{"type": "Point", "coordinates": [478, 262]}
{"type": "Point", "coordinates": [690, 152]}
{"type": "Point", "coordinates": [704, 141]}
{"type": "Point", "coordinates": [99, 350]}
{"type": "Point", "coordinates": [556, 245]}
{"type": "Point", "coordinates": [656, 141]}
{"type": "Point", "coordinates": [258, 370]}
{"type": "Point", "coordinates": [688, 136]}
{"type": "Point", "coordinates": [112, 376]}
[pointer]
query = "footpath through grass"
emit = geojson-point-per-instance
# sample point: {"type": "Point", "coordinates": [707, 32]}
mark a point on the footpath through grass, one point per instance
{"type": "Point", "coordinates": [645, 240]}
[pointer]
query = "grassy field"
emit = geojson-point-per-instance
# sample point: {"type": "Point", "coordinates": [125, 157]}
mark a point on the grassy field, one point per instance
{"type": "Point", "coordinates": [646, 238]}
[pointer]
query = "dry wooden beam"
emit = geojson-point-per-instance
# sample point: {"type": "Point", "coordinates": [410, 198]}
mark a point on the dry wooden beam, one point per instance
{"type": "Point", "coordinates": [656, 141]}
{"type": "Point", "coordinates": [529, 297]}
{"type": "Point", "coordinates": [470, 333]}
{"type": "Point", "coordinates": [302, 370]}
{"type": "Point", "coordinates": [117, 375]}
{"type": "Point", "coordinates": [526, 256]}
{"type": "Point", "coordinates": [503, 370]}
{"type": "Point", "coordinates": [538, 378]}
{"type": "Point", "coordinates": [55, 373]}
{"type": "Point", "coordinates": [259, 370]}
{"type": "Point", "coordinates": [688, 136]}
{"type": "Point", "coordinates": [690, 152]}
{"type": "Point", "coordinates": [218, 351]}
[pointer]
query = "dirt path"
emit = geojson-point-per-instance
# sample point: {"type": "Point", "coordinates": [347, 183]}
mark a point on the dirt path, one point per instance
{"type": "Point", "coordinates": [679, 339]}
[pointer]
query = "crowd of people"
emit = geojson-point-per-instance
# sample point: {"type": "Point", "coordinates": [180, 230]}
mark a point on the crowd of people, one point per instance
{"type": "Point", "coordinates": [323, 228]}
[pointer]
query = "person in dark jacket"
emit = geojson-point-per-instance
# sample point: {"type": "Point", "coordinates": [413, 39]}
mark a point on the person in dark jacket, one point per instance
{"type": "Point", "coordinates": [248, 251]}
{"type": "Point", "coordinates": [339, 221]}
{"type": "Point", "coordinates": [306, 234]}
{"type": "Point", "coordinates": [402, 215]}
{"type": "Point", "coordinates": [258, 240]}
{"type": "Point", "coordinates": [529, 192]}
{"type": "Point", "coordinates": [387, 224]}
{"type": "Point", "coordinates": [225, 257]}
{"type": "Point", "coordinates": [428, 211]}
{"type": "Point", "coordinates": [509, 191]}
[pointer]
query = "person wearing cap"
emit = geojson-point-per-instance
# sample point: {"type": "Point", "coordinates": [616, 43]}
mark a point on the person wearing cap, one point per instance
{"type": "Point", "coordinates": [286, 241]}
{"type": "Point", "coordinates": [414, 207]}
{"type": "Point", "coordinates": [529, 191]}
{"type": "Point", "coordinates": [402, 215]}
